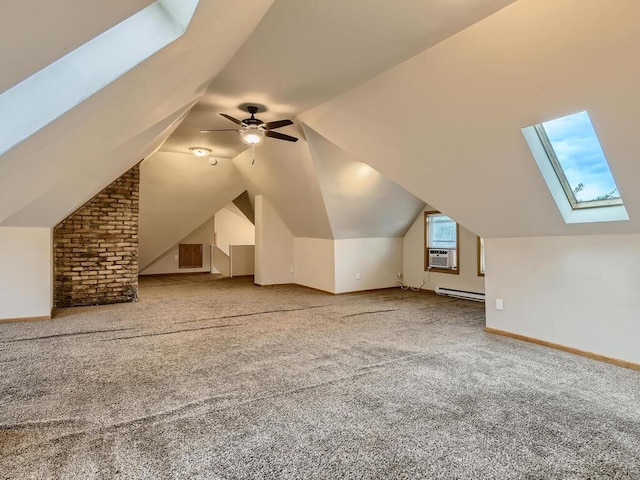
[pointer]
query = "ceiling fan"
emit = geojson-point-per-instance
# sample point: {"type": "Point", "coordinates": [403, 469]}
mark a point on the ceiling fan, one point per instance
{"type": "Point", "coordinates": [253, 130]}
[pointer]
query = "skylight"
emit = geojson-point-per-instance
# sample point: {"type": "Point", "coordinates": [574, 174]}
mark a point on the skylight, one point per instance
{"type": "Point", "coordinates": [576, 155]}
{"type": "Point", "coordinates": [574, 166]}
{"type": "Point", "coordinates": [51, 92]}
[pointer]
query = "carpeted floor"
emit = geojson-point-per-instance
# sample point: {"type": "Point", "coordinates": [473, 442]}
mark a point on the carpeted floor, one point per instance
{"type": "Point", "coordinates": [217, 378]}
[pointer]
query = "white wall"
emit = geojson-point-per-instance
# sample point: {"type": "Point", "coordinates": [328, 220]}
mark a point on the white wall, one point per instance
{"type": "Point", "coordinates": [168, 262]}
{"type": "Point", "coordinates": [26, 272]}
{"type": "Point", "coordinates": [377, 260]}
{"type": "Point", "coordinates": [413, 262]}
{"type": "Point", "coordinates": [233, 228]}
{"type": "Point", "coordinates": [579, 291]}
{"type": "Point", "coordinates": [314, 263]}
{"type": "Point", "coordinates": [274, 246]}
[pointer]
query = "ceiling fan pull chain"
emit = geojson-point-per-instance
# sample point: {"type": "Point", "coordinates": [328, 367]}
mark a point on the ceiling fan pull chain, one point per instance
{"type": "Point", "coordinates": [253, 154]}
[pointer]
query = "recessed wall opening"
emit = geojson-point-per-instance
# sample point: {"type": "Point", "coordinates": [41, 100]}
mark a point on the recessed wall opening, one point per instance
{"type": "Point", "coordinates": [190, 255]}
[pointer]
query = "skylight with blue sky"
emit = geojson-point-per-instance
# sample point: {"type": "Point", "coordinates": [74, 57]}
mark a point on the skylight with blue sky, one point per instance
{"type": "Point", "coordinates": [581, 158]}
{"type": "Point", "coordinates": [573, 165]}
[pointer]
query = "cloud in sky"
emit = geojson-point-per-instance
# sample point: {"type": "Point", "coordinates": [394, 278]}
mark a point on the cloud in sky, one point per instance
{"type": "Point", "coordinates": [579, 152]}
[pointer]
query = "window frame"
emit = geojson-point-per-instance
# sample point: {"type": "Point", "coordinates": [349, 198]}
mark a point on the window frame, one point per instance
{"type": "Point", "coordinates": [427, 267]}
{"type": "Point", "coordinates": [481, 264]}
{"type": "Point", "coordinates": [570, 215]}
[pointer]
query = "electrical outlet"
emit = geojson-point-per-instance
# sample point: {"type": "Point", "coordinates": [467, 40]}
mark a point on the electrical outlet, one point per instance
{"type": "Point", "coordinates": [175, 257]}
{"type": "Point", "coordinates": [358, 276]}
{"type": "Point", "coordinates": [499, 304]}
{"type": "Point", "coordinates": [292, 270]}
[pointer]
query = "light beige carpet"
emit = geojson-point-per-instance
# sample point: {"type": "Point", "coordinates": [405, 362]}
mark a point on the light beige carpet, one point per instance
{"type": "Point", "coordinates": [220, 379]}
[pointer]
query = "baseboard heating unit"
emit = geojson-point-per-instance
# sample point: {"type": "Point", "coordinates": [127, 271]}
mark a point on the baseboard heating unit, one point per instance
{"type": "Point", "coordinates": [452, 292]}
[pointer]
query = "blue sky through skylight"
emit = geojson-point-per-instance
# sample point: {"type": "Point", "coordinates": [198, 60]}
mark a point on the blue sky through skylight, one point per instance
{"type": "Point", "coordinates": [580, 155]}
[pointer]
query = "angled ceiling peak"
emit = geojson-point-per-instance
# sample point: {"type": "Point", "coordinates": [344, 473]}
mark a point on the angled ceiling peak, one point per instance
{"type": "Point", "coordinates": [360, 201]}
{"type": "Point", "coordinates": [243, 202]}
{"type": "Point", "coordinates": [284, 174]}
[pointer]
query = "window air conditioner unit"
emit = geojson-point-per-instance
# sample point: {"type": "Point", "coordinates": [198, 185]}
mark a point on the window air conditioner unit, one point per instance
{"type": "Point", "coordinates": [441, 258]}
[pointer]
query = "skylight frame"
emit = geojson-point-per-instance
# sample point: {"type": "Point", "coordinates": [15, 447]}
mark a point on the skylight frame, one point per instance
{"type": "Point", "coordinates": [559, 171]}
{"type": "Point", "coordinates": [578, 212]}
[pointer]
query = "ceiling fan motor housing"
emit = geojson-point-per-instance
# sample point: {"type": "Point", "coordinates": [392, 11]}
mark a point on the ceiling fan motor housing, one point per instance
{"type": "Point", "coordinates": [253, 121]}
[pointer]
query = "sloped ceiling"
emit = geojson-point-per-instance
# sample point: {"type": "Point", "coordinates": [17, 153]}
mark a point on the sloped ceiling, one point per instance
{"type": "Point", "coordinates": [164, 84]}
{"type": "Point", "coordinates": [284, 173]}
{"type": "Point", "coordinates": [243, 205]}
{"type": "Point", "coordinates": [304, 53]}
{"type": "Point", "coordinates": [300, 55]}
{"type": "Point", "coordinates": [51, 205]}
{"type": "Point", "coordinates": [446, 124]}
{"type": "Point", "coordinates": [360, 201]}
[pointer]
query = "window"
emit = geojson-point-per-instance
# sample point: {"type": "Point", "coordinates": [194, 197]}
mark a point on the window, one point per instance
{"type": "Point", "coordinates": [480, 257]}
{"type": "Point", "coordinates": [441, 235]}
{"type": "Point", "coordinates": [574, 166]}
{"type": "Point", "coordinates": [577, 157]}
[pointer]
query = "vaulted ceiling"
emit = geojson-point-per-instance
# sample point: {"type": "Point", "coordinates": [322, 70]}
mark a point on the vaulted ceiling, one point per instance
{"type": "Point", "coordinates": [432, 95]}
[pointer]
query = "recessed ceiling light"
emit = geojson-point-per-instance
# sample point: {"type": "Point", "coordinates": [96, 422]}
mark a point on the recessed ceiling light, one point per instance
{"type": "Point", "coordinates": [200, 151]}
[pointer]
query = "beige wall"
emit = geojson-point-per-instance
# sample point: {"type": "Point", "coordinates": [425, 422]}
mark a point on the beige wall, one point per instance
{"type": "Point", "coordinates": [579, 291]}
{"type": "Point", "coordinates": [314, 263]}
{"type": "Point", "coordinates": [25, 272]}
{"type": "Point", "coordinates": [367, 263]}
{"type": "Point", "coordinates": [168, 263]}
{"type": "Point", "coordinates": [334, 265]}
{"type": "Point", "coordinates": [274, 246]}
{"type": "Point", "coordinates": [413, 262]}
{"type": "Point", "coordinates": [242, 260]}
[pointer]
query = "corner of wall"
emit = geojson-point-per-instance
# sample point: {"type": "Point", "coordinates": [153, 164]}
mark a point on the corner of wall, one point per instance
{"type": "Point", "coordinates": [314, 261]}
{"type": "Point", "coordinates": [274, 251]}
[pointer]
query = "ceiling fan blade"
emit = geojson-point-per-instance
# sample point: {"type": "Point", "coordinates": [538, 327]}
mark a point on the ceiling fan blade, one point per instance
{"type": "Point", "coordinates": [278, 124]}
{"type": "Point", "coordinates": [280, 136]}
{"type": "Point", "coordinates": [220, 130]}
{"type": "Point", "coordinates": [229, 117]}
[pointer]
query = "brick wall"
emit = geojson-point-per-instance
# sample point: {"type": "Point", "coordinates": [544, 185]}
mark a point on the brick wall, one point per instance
{"type": "Point", "coordinates": [96, 248]}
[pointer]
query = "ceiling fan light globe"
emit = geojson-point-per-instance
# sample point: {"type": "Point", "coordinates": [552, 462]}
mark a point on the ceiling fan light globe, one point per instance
{"type": "Point", "coordinates": [252, 136]}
